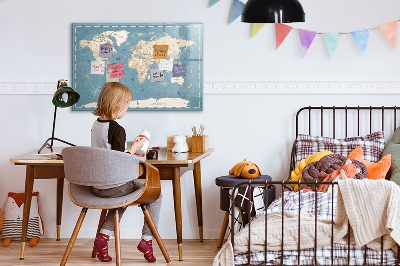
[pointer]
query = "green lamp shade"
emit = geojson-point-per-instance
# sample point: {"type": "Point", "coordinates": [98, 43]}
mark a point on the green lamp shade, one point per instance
{"type": "Point", "coordinates": [65, 96]}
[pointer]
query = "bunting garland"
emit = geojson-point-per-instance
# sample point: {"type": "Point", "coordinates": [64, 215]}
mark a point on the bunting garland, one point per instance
{"type": "Point", "coordinates": [237, 9]}
{"type": "Point", "coordinates": [389, 30]}
{"type": "Point", "coordinates": [306, 39]}
{"type": "Point", "coordinates": [361, 37]}
{"type": "Point", "coordinates": [213, 2]}
{"type": "Point", "coordinates": [281, 31]}
{"type": "Point", "coordinates": [332, 41]}
{"type": "Point", "coordinates": [256, 27]}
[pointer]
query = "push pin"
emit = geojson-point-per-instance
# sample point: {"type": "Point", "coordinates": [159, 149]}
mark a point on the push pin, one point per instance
{"type": "Point", "coordinates": [167, 57]}
{"type": "Point", "coordinates": [179, 63]}
{"type": "Point", "coordinates": [109, 71]}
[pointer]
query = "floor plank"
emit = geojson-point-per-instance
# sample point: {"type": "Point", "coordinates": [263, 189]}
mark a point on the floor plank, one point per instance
{"type": "Point", "coordinates": [50, 252]}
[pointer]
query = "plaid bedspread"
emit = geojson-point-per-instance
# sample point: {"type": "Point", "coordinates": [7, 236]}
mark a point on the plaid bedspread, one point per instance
{"type": "Point", "coordinates": [321, 205]}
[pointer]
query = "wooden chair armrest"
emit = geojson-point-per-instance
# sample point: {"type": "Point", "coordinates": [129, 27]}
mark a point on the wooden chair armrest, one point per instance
{"type": "Point", "coordinates": [152, 187]}
{"type": "Point", "coordinates": [142, 170]}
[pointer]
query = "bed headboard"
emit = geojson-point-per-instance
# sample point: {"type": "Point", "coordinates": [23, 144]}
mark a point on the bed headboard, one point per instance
{"type": "Point", "coordinates": [344, 118]}
{"type": "Point", "coordinates": [344, 121]}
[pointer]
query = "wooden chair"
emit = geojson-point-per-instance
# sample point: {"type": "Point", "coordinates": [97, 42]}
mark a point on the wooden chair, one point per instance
{"type": "Point", "coordinates": [85, 167]}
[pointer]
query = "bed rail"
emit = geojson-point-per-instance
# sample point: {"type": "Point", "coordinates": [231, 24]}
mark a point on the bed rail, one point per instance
{"type": "Point", "coordinates": [265, 185]}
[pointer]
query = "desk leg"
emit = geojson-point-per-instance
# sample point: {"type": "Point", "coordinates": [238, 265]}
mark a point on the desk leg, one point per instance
{"type": "Point", "coordinates": [27, 206]}
{"type": "Point", "coordinates": [176, 182]}
{"type": "Point", "coordinates": [60, 190]}
{"type": "Point", "coordinates": [199, 204]}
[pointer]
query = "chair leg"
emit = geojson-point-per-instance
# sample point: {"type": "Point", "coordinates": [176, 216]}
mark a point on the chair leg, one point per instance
{"type": "Point", "coordinates": [73, 237]}
{"type": "Point", "coordinates": [117, 238]}
{"type": "Point", "coordinates": [101, 222]}
{"type": "Point", "coordinates": [154, 230]}
{"type": "Point", "coordinates": [223, 229]}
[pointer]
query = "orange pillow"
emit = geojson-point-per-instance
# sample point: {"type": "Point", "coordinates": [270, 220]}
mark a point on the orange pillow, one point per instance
{"type": "Point", "coordinates": [375, 170]}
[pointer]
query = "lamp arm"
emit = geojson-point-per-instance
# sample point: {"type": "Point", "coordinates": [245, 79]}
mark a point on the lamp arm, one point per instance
{"type": "Point", "coordinates": [54, 126]}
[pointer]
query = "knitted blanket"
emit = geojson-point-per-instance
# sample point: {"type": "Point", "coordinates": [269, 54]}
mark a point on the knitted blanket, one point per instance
{"type": "Point", "coordinates": [371, 207]}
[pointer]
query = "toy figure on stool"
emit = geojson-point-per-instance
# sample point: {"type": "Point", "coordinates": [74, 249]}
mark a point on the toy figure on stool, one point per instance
{"type": "Point", "coordinates": [13, 215]}
{"type": "Point", "coordinates": [245, 169]}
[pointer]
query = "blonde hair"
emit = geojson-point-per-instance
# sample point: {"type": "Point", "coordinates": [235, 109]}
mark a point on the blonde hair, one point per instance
{"type": "Point", "coordinates": [112, 99]}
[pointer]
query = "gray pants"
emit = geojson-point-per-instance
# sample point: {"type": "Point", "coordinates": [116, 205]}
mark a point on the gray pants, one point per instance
{"type": "Point", "coordinates": [154, 208]}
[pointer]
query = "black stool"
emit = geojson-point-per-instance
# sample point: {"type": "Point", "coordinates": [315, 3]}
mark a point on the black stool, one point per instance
{"type": "Point", "coordinates": [226, 183]}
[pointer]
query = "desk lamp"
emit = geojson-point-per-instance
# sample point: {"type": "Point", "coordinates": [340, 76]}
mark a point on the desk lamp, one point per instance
{"type": "Point", "coordinates": [64, 97]}
{"type": "Point", "coordinates": [273, 11]}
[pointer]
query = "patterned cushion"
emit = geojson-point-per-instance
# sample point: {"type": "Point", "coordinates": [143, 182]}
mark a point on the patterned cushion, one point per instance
{"type": "Point", "coordinates": [372, 144]}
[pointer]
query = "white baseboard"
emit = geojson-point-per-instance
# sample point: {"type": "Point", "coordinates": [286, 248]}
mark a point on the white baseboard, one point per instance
{"type": "Point", "coordinates": [246, 87]}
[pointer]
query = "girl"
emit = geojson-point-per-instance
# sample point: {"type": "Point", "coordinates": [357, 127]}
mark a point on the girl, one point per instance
{"type": "Point", "coordinates": [106, 133]}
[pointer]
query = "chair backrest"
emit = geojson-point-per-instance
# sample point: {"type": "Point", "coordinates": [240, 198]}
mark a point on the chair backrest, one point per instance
{"type": "Point", "coordinates": [92, 166]}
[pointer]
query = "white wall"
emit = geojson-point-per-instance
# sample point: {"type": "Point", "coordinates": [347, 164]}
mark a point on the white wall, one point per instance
{"type": "Point", "coordinates": [36, 47]}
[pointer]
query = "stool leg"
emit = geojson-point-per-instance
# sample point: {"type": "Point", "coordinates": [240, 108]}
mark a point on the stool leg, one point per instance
{"type": "Point", "coordinates": [223, 229]}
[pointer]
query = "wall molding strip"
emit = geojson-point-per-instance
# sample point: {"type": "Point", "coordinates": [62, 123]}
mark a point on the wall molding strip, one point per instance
{"type": "Point", "coordinates": [244, 87]}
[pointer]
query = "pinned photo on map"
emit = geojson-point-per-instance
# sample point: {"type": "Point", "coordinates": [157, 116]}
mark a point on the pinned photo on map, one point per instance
{"type": "Point", "coordinates": [117, 70]}
{"type": "Point", "coordinates": [106, 50]}
{"type": "Point", "coordinates": [157, 75]}
{"type": "Point", "coordinates": [160, 51]}
{"type": "Point", "coordinates": [97, 67]}
{"type": "Point", "coordinates": [179, 70]}
{"type": "Point", "coordinates": [166, 64]}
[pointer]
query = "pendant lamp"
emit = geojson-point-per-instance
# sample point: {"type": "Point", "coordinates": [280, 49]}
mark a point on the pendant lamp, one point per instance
{"type": "Point", "coordinates": [64, 96]}
{"type": "Point", "coordinates": [273, 11]}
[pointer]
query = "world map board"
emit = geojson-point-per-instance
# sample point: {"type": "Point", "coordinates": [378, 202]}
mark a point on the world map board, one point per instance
{"type": "Point", "coordinates": [162, 64]}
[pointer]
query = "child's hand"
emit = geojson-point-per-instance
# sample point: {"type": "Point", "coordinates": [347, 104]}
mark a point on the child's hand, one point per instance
{"type": "Point", "coordinates": [137, 144]}
{"type": "Point", "coordinates": [143, 155]}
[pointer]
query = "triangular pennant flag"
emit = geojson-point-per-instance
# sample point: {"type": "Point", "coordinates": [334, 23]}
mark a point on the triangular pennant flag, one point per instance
{"type": "Point", "coordinates": [390, 32]}
{"type": "Point", "coordinates": [237, 9]}
{"type": "Point", "coordinates": [332, 41]}
{"type": "Point", "coordinates": [281, 31]}
{"type": "Point", "coordinates": [306, 39]}
{"type": "Point", "coordinates": [213, 2]}
{"type": "Point", "coordinates": [256, 28]}
{"type": "Point", "coordinates": [361, 37]}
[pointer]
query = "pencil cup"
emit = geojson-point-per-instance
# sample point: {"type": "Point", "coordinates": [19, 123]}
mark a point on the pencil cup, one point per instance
{"type": "Point", "coordinates": [200, 143]}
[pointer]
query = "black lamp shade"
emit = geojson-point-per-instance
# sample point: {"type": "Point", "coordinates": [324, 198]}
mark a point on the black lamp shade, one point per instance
{"type": "Point", "coordinates": [273, 11]}
{"type": "Point", "coordinates": [71, 99]}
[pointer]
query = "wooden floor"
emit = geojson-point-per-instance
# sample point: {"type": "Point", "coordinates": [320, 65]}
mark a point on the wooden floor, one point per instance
{"type": "Point", "coordinates": [50, 252]}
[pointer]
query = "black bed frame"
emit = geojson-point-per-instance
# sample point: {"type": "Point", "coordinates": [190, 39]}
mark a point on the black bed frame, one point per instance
{"type": "Point", "coordinates": [304, 117]}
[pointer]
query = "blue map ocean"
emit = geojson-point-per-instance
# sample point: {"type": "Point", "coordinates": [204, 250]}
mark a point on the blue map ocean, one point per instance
{"type": "Point", "coordinates": [89, 85]}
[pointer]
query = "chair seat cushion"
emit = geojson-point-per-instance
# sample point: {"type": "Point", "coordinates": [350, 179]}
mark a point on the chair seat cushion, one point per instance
{"type": "Point", "coordinates": [83, 195]}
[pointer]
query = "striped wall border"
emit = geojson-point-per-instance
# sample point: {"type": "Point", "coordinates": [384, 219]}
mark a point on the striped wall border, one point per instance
{"type": "Point", "coordinates": [244, 87]}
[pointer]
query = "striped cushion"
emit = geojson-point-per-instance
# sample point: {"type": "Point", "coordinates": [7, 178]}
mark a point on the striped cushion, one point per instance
{"type": "Point", "coordinates": [372, 145]}
{"type": "Point", "coordinates": [13, 228]}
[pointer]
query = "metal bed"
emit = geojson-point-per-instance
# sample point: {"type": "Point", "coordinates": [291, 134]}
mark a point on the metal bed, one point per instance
{"type": "Point", "coordinates": [336, 119]}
